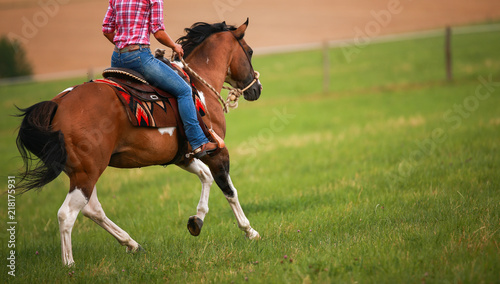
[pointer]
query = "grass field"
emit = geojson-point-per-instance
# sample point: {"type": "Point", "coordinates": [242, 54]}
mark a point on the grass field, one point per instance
{"type": "Point", "coordinates": [391, 177]}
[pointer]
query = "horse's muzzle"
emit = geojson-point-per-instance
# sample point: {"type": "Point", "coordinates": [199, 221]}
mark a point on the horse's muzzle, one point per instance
{"type": "Point", "coordinates": [253, 93]}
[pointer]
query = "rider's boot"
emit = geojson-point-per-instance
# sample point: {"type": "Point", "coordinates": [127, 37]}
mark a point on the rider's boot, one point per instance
{"type": "Point", "coordinates": [205, 149]}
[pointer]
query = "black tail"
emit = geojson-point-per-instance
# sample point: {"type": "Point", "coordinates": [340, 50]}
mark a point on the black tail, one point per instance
{"type": "Point", "coordinates": [37, 137]}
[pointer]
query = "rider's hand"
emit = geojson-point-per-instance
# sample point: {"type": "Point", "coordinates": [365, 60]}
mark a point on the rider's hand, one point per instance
{"type": "Point", "coordinates": [178, 49]}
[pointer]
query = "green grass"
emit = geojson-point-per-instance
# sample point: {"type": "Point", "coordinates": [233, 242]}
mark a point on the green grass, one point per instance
{"type": "Point", "coordinates": [392, 177]}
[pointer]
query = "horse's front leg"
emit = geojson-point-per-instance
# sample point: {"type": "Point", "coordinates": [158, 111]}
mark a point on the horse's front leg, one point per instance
{"type": "Point", "coordinates": [219, 166]}
{"type": "Point", "coordinates": [198, 168]}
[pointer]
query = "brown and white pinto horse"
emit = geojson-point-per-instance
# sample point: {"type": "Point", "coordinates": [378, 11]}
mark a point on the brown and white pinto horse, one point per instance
{"type": "Point", "coordinates": [87, 130]}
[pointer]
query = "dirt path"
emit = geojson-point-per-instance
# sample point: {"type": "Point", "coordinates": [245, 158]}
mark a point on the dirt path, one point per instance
{"type": "Point", "coordinates": [64, 35]}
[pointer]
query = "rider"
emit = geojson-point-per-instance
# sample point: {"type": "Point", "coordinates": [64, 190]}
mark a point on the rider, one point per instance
{"type": "Point", "coordinates": [128, 24]}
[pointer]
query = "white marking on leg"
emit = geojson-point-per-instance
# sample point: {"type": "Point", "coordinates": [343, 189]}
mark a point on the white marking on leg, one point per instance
{"type": "Point", "coordinates": [93, 210]}
{"type": "Point", "coordinates": [242, 220]}
{"type": "Point", "coordinates": [167, 130]}
{"type": "Point", "coordinates": [74, 202]}
{"type": "Point", "coordinates": [198, 168]}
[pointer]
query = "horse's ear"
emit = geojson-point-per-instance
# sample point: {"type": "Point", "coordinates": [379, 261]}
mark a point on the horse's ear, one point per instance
{"type": "Point", "coordinates": [239, 33]}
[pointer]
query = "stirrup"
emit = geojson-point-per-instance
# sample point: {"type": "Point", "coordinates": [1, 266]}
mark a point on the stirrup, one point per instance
{"type": "Point", "coordinates": [219, 141]}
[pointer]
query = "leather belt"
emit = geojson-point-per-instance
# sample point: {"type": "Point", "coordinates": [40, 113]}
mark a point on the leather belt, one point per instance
{"type": "Point", "coordinates": [132, 47]}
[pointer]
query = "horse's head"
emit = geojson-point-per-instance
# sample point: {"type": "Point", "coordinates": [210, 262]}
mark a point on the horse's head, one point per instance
{"type": "Point", "coordinates": [202, 39]}
{"type": "Point", "coordinates": [240, 73]}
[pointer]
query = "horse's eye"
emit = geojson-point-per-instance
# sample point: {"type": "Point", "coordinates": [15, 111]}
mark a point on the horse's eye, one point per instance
{"type": "Point", "coordinates": [250, 52]}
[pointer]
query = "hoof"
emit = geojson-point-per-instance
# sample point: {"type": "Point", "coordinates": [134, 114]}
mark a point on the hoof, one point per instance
{"type": "Point", "coordinates": [69, 264]}
{"type": "Point", "coordinates": [138, 249]}
{"type": "Point", "coordinates": [253, 235]}
{"type": "Point", "coordinates": [194, 225]}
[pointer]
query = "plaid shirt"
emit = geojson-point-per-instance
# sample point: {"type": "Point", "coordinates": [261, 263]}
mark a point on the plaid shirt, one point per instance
{"type": "Point", "coordinates": [133, 20]}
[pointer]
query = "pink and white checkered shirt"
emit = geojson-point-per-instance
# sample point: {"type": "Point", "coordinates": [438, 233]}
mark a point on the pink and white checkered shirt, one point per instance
{"type": "Point", "coordinates": [133, 20]}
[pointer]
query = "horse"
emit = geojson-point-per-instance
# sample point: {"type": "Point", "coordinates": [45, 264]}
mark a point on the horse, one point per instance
{"type": "Point", "coordinates": [86, 130]}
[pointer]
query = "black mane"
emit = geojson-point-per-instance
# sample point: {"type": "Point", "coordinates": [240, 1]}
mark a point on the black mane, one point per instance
{"type": "Point", "coordinates": [198, 32]}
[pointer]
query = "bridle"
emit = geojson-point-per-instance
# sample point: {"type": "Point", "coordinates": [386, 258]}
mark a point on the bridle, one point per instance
{"type": "Point", "coordinates": [234, 93]}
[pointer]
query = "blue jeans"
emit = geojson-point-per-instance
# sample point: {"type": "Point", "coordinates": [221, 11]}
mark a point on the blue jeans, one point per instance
{"type": "Point", "coordinates": [162, 76]}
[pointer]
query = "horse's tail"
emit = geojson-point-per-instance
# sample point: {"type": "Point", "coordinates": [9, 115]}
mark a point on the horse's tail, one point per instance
{"type": "Point", "coordinates": [37, 137]}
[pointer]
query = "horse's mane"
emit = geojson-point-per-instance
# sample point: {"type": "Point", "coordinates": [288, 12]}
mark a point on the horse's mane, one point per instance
{"type": "Point", "coordinates": [198, 32]}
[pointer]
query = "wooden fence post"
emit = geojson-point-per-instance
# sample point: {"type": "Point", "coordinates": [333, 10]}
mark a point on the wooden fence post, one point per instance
{"type": "Point", "coordinates": [326, 67]}
{"type": "Point", "coordinates": [90, 74]}
{"type": "Point", "coordinates": [447, 51]}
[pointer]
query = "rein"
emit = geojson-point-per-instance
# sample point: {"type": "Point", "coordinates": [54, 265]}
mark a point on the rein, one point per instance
{"type": "Point", "coordinates": [192, 72]}
{"type": "Point", "coordinates": [234, 93]}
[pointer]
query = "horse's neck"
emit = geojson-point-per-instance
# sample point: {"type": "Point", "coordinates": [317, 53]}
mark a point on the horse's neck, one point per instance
{"type": "Point", "coordinates": [211, 64]}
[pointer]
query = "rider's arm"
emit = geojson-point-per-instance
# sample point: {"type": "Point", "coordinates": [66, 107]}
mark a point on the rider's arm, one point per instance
{"type": "Point", "coordinates": [109, 24]}
{"type": "Point", "coordinates": [166, 40]}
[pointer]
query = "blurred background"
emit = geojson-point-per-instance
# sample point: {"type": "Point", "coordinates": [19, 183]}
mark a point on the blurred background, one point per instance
{"type": "Point", "coordinates": [63, 37]}
{"type": "Point", "coordinates": [372, 155]}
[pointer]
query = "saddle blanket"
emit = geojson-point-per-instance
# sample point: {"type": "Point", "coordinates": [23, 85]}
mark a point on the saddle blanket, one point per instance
{"type": "Point", "coordinates": [155, 113]}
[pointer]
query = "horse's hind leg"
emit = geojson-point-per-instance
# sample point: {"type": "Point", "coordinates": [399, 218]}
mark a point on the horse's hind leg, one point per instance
{"type": "Point", "coordinates": [74, 202]}
{"type": "Point", "coordinates": [203, 172]}
{"type": "Point", "coordinates": [219, 166]}
{"type": "Point", "coordinates": [93, 210]}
